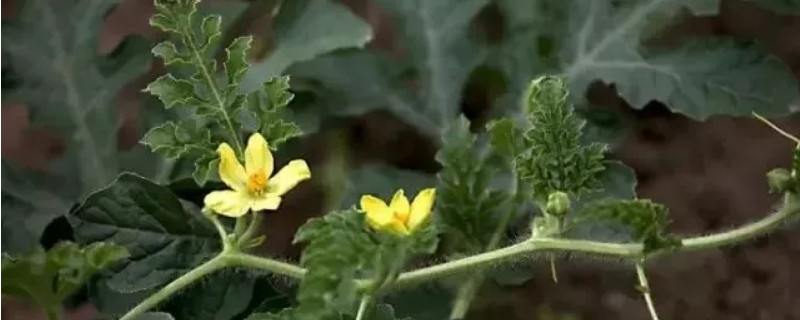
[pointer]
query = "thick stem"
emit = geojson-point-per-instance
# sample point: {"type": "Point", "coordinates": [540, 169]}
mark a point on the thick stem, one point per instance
{"type": "Point", "coordinates": [645, 288]}
{"type": "Point", "coordinates": [468, 290]}
{"type": "Point", "coordinates": [239, 227]}
{"type": "Point", "coordinates": [53, 312]}
{"type": "Point", "coordinates": [176, 285]}
{"type": "Point", "coordinates": [363, 307]}
{"type": "Point", "coordinates": [464, 298]}
{"type": "Point", "coordinates": [274, 266]}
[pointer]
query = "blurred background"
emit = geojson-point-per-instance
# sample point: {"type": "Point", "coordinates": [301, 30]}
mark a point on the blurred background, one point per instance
{"type": "Point", "coordinates": [710, 174]}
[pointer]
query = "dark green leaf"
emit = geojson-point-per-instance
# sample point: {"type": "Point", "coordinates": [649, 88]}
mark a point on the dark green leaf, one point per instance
{"type": "Point", "coordinates": [165, 237]}
{"type": "Point", "coordinates": [441, 48]}
{"type": "Point", "coordinates": [173, 92]}
{"type": "Point", "coordinates": [267, 107]}
{"type": "Point", "coordinates": [176, 139]}
{"type": "Point", "coordinates": [51, 47]}
{"type": "Point", "coordinates": [222, 295]}
{"type": "Point", "coordinates": [305, 29]}
{"type": "Point", "coordinates": [236, 63]}
{"type": "Point", "coordinates": [29, 203]}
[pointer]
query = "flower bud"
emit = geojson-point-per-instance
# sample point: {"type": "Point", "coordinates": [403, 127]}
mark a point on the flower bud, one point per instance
{"type": "Point", "coordinates": [558, 203]}
{"type": "Point", "coordinates": [780, 180]}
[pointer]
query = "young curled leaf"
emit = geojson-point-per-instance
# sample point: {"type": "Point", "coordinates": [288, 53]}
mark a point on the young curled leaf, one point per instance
{"type": "Point", "coordinates": [555, 159]}
{"type": "Point", "coordinates": [647, 221]}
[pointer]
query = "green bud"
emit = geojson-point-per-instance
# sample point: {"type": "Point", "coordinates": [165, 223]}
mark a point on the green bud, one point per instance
{"type": "Point", "coordinates": [780, 180]}
{"type": "Point", "coordinates": [558, 203]}
{"type": "Point", "coordinates": [545, 226]}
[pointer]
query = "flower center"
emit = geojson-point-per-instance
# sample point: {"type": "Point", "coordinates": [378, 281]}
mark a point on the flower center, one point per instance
{"type": "Point", "coordinates": [257, 183]}
{"type": "Point", "coordinates": [401, 216]}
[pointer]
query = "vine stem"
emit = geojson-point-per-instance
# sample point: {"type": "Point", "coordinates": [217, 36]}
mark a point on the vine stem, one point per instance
{"type": "Point", "coordinates": [468, 290]}
{"type": "Point", "coordinates": [233, 258]}
{"type": "Point", "coordinates": [645, 288]}
{"type": "Point", "coordinates": [363, 307]}
{"type": "Point", "coordinates": [183, 281]}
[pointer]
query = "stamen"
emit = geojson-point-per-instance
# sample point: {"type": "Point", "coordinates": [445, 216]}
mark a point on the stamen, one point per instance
{"type": "Point", "coordinates": [257, 183]}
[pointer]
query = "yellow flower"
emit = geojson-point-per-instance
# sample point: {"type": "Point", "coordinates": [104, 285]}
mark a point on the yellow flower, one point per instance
{"type": "Point", "coordinates": [253, 188]}
{"type": "Point", "coordinates": [399, 217]}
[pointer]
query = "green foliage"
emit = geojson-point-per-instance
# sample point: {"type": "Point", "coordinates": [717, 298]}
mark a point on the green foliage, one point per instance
{"type": "Point", "coordinates": [165, 236]}
{"type": "Point", "coordinates": [442, 53]}
{"type": "Point", "coordinates": [465, 202]}
{"type": "Point", "coordinates": [219, 108]}
{"type": "Point", "coordinates": [46, 279]}
{"type": "Point", "coordinates": [51, 66]}
{"type": "Point", "coordinates": [647, 221]}
{"type": "Point", "coordinates": [306, 29]}
{"type": "Point", "coordinates": [70, 87]}
{"type": "Point", "coordinates": [340, 249]}
{"type": "Point", "coordinates": [554, 159]}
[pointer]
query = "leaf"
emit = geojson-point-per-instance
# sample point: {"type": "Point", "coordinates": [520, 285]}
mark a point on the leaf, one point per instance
{"type": "Point", "coordinates": [646, 221]}
{"type": "Point", "coordinates": [305, 29]}
{"type": "Point", "coordinates": [29, 204]}
{"type": "Point", "coordinates": [222, 295]}
{"type": "Point", "coordinates": [215, 103]}
{"type": "Point", "coordinates": [505, 137]}
{"type": "Point", "coordinates": [370, 84]}
{"type": "Point", "coordinates": [555, 159]}
{"type": "Point", "coordinates": [165, 237]}
{"type": "Point", "coordinates": [176, 139]}
{"type": "Point", "coordinates": [338, 247]}
{"type": "Point", "coordinates": [48, 278]}
{"type": "Point", "coordinates": [68, 85]}
{"type": "Point", "coordinates": [443, 52]}
{"type": "Point", "coordinates": [465, 202]}
{"type": "Point", "coordinates": [735, 78]}
{"type": "Point", "coordinates": [266, 107]}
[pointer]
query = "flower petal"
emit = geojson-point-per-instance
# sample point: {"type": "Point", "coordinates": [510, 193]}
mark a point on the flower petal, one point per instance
{"type": "Point", "coordinates": [288, 177]}
{"type": "Point", "coordinates": [268, 202]}
{"type": "Point", "coordinates": [228, 203]}
{"type": "Point", "coordinates": [400, 204]}
{"type": "Point", "coordinates": [421, 208]}
{"type": "Point", "coordinates": [230, 170]}
{"type": "Point", "coordinates": [257, 156]}
{"type": "Point", "coordinates": [378, 213]}
{"type": "Point", "coordinates": [398, 227]}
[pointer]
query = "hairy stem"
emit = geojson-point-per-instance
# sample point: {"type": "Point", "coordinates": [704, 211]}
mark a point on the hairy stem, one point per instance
{"type": "Point", "coordinates": [366, 300]}
{"type": "Point", "coordinates": [274, 266]}
{"type": "Point", "coordinates": [176, 285]}
{"type": "Point", "coordinates": [53, 312]}
{"type": "Point", "coordinates": [464, 298]}
{"type": "Point", "coordinates": [468, 290]}
{"type": "Point", "coordinates": [645, 288]}
{"type": "Point", "coordinates": [232, 258]}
